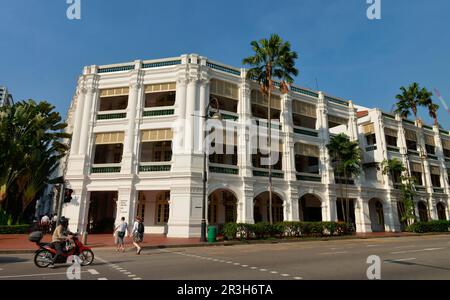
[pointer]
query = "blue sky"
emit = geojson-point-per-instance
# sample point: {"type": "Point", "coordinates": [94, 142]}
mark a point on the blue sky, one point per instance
{"type": "Point", "coordinates": [42, 52]}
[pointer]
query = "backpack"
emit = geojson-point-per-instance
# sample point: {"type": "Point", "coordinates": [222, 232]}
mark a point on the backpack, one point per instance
{"type": "Point", "coordinates": [141, 227]}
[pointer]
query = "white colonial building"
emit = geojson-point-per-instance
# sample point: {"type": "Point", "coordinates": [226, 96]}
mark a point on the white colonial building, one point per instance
{"type": "Point", "coordinates": [135, 151]}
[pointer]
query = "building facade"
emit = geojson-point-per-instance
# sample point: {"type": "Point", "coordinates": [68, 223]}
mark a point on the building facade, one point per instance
{"type": "Point", "coordinates": [137, 131]}
{"type": "Point", "coordinates": [5, 97]}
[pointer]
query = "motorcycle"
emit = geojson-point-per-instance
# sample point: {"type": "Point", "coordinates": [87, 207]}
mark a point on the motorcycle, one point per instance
{"type": "Point", "coordinates": [43, 257]}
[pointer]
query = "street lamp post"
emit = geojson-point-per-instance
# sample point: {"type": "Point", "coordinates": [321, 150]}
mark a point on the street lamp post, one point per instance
{"type": "Point", "coordinates": [205, 161]}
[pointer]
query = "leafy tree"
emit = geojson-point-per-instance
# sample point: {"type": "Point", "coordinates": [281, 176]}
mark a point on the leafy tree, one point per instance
{"type": "Point", "coordinates": [272, 59]}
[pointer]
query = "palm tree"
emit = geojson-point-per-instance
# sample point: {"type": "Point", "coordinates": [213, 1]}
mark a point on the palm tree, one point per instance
{"type": "Point", "coordinates": [392, 167]}
{"type": "Point", "coordinates": [32, 135]}
{"type": "Point", "coordinates": [273, 59]}
{"type": "Point", "coordinates": [424, 99]}
{"type": "Point", "coordinates": [346, 156]}
{"type": "Point", "coordinates": [408, 101]}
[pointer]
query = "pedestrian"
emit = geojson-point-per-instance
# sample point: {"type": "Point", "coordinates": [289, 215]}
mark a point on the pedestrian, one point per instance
{"type": "Point", "coordinates": [138, 234]}
{"type": "Point", "coordinates": [53, 222]}
{"type": "Point", "coordinates": [45, 224]}
{"type": "Point", "coordinates": [119, 233]}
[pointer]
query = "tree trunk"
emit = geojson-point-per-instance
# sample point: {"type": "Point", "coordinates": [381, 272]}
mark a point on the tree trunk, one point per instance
{"type": "Point", "coordinates": [269, 123]}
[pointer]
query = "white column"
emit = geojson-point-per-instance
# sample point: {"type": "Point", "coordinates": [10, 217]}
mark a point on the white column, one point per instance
{"type": "Point", "coordinates": [292, 210]}
{"type": "Point", "coordinates": [391, 218]}
{"type": "Point", "coordinates": [126, 204]}
{"type": "Point", "coordinates": [185, 211]}
{"type": "Point", "coordinates": [199, 116]}
{"type": "Point", "coordinates": [87, 113]}
{"type": "Point", "coordinates": [362, 215]}
{"type": "Point", "coordinates": [245, 207]}
{"type": "Point", "coordinates": [134, 99]}
{"type": "Point", "coordinates": [244, 142]}
{"type": "Point", "coordinates": [190, 111]}
{"type": "Point", "coordinates": [329, 212]}
{"type": "Point", "coordinates": [322, 125]}
{"type": "Point", "coordinates": [81, 96]}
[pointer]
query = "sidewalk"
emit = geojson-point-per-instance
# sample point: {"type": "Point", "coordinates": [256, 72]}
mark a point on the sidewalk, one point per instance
{"type": "Point", "coordinates": [18, 243]}
{"type": "Point", "coordinates": [10, 243]}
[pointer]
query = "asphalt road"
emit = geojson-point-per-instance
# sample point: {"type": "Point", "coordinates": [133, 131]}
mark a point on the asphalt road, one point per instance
{"type": "Point", "coordinates": [425, 257]}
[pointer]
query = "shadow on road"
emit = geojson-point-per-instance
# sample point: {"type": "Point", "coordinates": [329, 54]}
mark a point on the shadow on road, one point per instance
{"type": "Point", "coordinates": [416, 264]}
{"type": "Point", "coordinates": [12, 260]}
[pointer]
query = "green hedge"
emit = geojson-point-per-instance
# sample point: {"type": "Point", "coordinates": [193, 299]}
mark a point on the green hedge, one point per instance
{"type": "Point", "coordinates": [14, 229]}
{"type": "Point", "coordinates": [263, 230]}
{"type": "Point", "coordinates": [432, 226]}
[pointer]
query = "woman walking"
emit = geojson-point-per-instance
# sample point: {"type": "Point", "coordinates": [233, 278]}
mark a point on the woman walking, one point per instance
{"type": "Point", "coordinates": [119, 233]}
{"type": "Point", "coordinates": [138, 234]}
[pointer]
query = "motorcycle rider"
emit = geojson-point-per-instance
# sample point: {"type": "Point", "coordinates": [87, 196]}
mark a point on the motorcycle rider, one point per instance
{"type": "Point", "coordinates": [60, 235]}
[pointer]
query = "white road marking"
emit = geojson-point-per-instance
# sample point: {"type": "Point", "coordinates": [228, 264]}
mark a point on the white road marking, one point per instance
{"type": "Point", "coordinates": [131, 275]}
{"type": "Point", "coordinates": [373, 245]}
{"type": "Point", "coordinates": [254, 268]}
{"type": "Point", "coordinates": [263, 270]}
{"type": "Point", "coordinates": [236, 264]}
{"type": "Point", "coordinates": [93, 271]}
{"type": "Point", "coordinates": [274, 272]}
{"type": "Point", "coordinates": [37, 275]}
{"type": "Point", "coordinates": [285, 275]}
{"type": "Point", "coordinates": [136, 278]}
{"type": "Point", "coordinates": [1, 269]}
{"type": "Point", "coordinates": [245, 266]}
{"type": "Point", "coordinates": [298, 278]}
{"type": "Point", "coordinates": [417, 250]}
{"type": "Point", "coordinates": [102, 278]}
{"type": "Point", "coordinates": [401, 259]}
{"type": "Point", "coordinates": [127, 273]}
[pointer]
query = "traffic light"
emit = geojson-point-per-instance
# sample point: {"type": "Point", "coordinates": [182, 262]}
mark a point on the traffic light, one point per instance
{"type": "Point", "coordinates": [68, 195]}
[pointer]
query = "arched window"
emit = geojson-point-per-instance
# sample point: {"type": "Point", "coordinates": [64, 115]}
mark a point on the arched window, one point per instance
{"type": "Point", "coordinates": [423, 212]}
{"type": "Point", "coordinates": [441, 211]}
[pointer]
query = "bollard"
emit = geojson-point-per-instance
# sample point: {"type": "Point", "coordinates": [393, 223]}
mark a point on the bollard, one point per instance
{"type": "Point", "coordinates": [84, 238]}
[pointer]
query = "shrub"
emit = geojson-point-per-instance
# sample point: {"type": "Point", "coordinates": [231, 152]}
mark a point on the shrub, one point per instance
{"type": "Point", "coordinates": [230, 231]}
{"type": "Point", "coordinates": [284, 229]}
{"type": "Point", "coordinates": [431, 226]}
{"type": "Point", "coordinates": [14, 229]}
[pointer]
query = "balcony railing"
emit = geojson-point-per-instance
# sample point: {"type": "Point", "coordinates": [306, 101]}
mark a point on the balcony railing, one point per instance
{"type": "Point", "coordinates": [158, 64]}
{"type": "Point", "coordinates": [420, 188]}
{"type": "Point", "coordinates": [336, 100]}
{"type": "Point", "coordinates": [262, 122]}
{"type": "Point", "coordinates": [223, 169]}
{"type": "Point", "coordinates": [340, 180]}
{"type": "Point", "coordinates": [158, 111]}
{"type": "Point", "coordinates": [105, 168]}
{"type": "Point", "coordinates": [393, 149]}
{"type": "Point", "coordinates": [225, 115]}
{"type": "Point", "coordinates": [413, 152]}
{"type": "Point", "coordinates": [304, 92]}
{"type": "Point", "coordinates": [309, 177]}
{"type": "Point", "coordinates": [223, 68]}
{"type": "Point", "coordinates": [306, 131]}
{"type": "Point", "coordinates": [163, 166]}
{"type": "Point", "coordinates": [438, 190]}
{"type": "Point", "coordinates": [116, 69]}
{"type": "Point", "coordinates": [388, 116]}
{"type": "Point", "coordinates": [431, 156]}
{"type": "Point", "coordinates": [111, 115]}
{"type": "Point", "coordinates": [259, 172]}
{"type": "Point", "coordinates": [371, 148]}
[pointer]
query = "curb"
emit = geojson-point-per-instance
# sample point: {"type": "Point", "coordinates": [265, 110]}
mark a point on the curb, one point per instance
{"type": "Point", "coordinates": [249, 242]}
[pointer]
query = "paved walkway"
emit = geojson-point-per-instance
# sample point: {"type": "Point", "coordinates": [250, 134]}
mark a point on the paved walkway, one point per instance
{"type": "Point", "coordinates": [21, 242]}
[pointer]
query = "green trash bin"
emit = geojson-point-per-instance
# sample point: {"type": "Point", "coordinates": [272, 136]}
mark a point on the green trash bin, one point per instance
{"type": "Point", "coordinates": [212, 234]}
